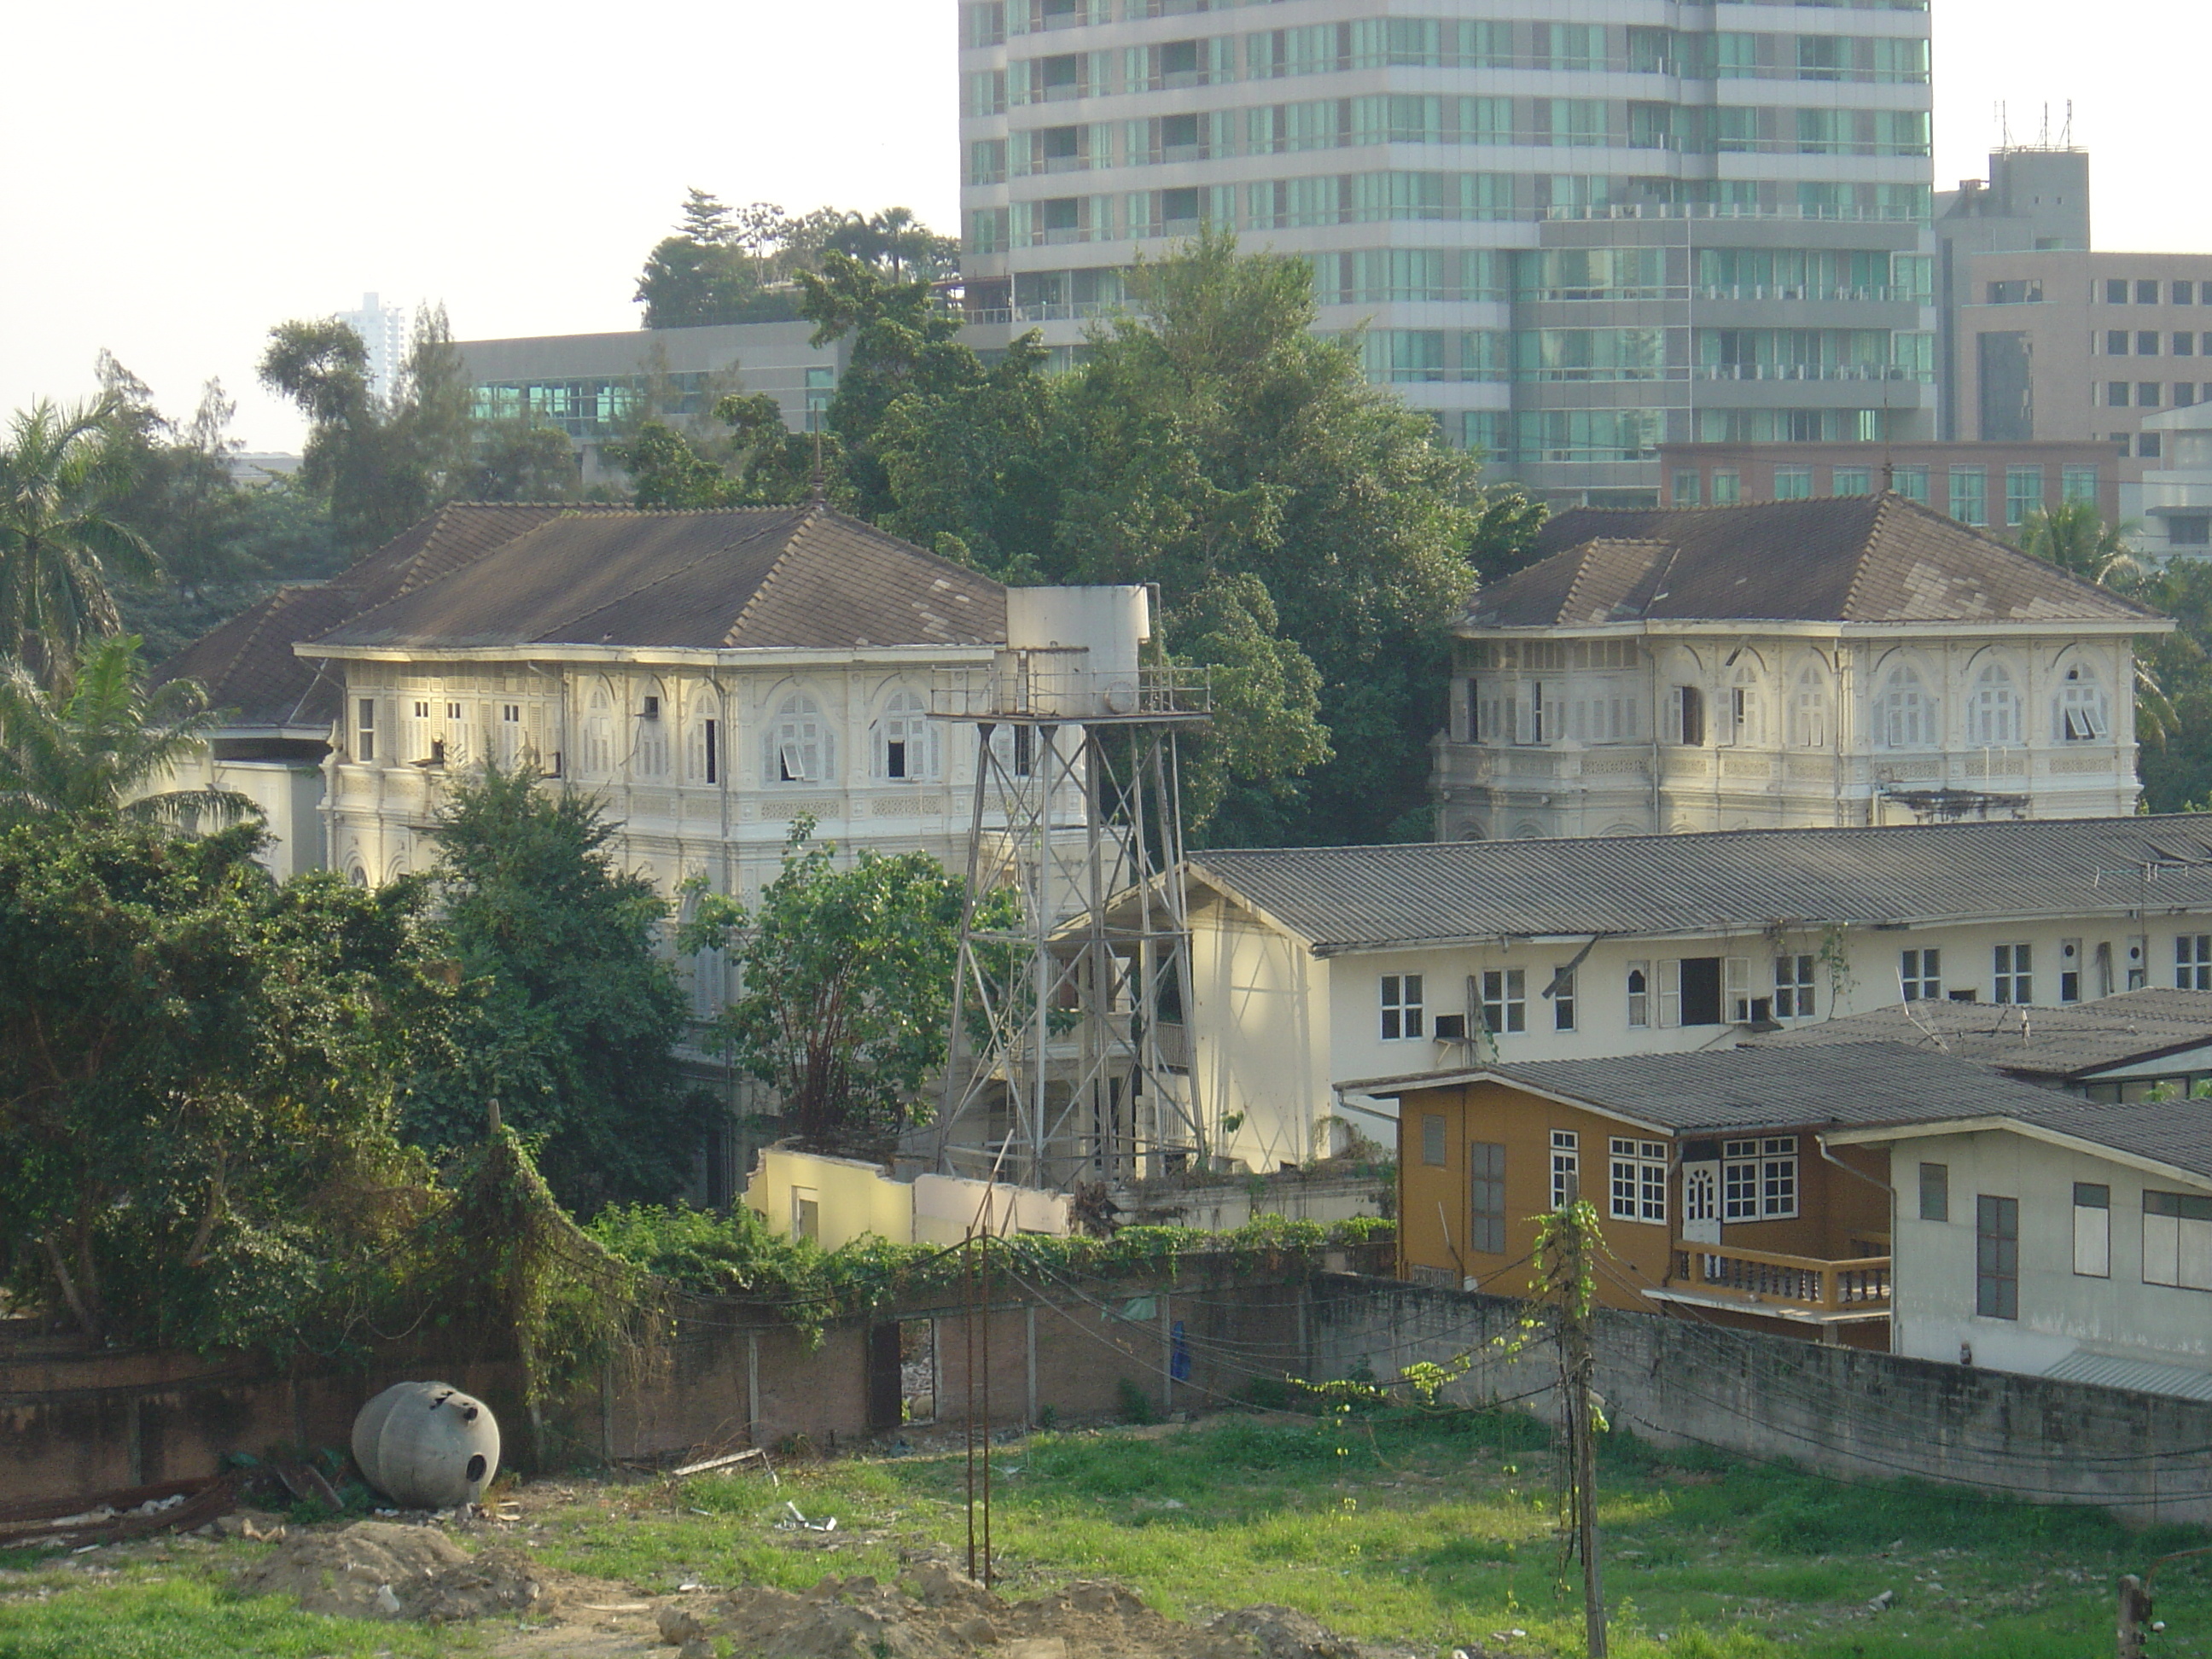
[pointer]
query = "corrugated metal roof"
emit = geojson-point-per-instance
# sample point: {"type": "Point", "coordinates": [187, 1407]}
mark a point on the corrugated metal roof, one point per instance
{"type": "Point", "coordinates": [2060, 1043]}
{"type": "Point", "coordinates": [1359, 898]}
{"type": "Point", "coordinates": [1841, 559]}
{"type": "Point", "coordinates": [2143, 1376]}
{"type": "Point", "coordinates": [1740, 1089]}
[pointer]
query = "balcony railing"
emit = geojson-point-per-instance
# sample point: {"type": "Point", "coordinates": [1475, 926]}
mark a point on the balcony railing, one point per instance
{"type": "Point", "coordinates": [1800, 1283]}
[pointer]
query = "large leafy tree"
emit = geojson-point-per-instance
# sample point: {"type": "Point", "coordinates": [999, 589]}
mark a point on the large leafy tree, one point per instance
{"type": "Point", "coordinates": [98, 750]}
{"type": "Point", "coordinates": [1310, 537]}
{"type": "Point", "coordinates": [197, 1078]}
{"type": "Point", "coordinates": [62, 541]}
{"type": "Point", "coordinates": [380, 463]}
{"type": "Point", "coordinates": [848, 972]}
{"type": "Point", "coordinates": [568, 1017]}
{"type": "Point", "coordinates": [760, 462]}
{"type": "Point", "coordinates": [725, 265]}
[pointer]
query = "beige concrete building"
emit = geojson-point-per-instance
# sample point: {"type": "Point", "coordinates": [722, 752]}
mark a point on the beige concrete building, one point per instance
{"type": "Point", "coordinates": [1839, 661]}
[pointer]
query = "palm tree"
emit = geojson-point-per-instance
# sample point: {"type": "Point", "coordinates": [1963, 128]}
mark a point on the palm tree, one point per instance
{"type": "Point", "coordinates": [58, 547]}
{"type": "Point", "coordinates": [91, 751]}
{"type": "Point", "coordinates": [2075, 537]}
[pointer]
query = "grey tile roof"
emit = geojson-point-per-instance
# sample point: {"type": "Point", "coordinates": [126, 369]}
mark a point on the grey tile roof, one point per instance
{"type": "Point", "coordinates": [1359, 898]}
{"type": "Point", "coordinates": [247, 664]}
{"type": "Point", "coordinates": [2175, 1132]}
{"type": "Point", "coordinates": [1725, 1089]}
{"type": "Point", "coordinates": [1842, 559]}
{"type": "Point", "coordinates": [478, 573]}
{"type": "Point", "coordinates": [777, 577]}
{"type": "Point", "coordinates": [2055, 1044]}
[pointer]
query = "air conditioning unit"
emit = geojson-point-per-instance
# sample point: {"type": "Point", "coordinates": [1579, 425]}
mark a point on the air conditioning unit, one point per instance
{"type": "Point", "coordinates": [653, 708]}
{"type": "Point", "coordinates": [1449, 1028]}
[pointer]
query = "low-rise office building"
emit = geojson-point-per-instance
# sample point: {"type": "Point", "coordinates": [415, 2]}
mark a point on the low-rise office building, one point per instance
{"type": "Point", "coordinates": [1847, 660]}
{"type": "Point", "coordinates": [598, 388]}
{"type": "Point", "coordinates": [1313, 967]}
{"type": "Point", "coordinates": [2170, 505]}
{"type": "Point", "coordinates": [1986, 486]}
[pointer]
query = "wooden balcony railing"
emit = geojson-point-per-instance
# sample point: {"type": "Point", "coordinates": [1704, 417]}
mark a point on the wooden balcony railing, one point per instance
{"type": "Point", "coordinates": [1859, 1285]}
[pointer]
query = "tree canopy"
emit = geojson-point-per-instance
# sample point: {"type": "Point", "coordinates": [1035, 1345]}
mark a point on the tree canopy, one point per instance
{"type": "Point", "coordinates": [92, 752]}
{"type": "Point", "coordinates": [846, 973]}
{"type": "Point", "coordinates": [567, 1016]}
{"type": "Point", "coordinates": [725, 264]}
{"type": "Point", "coordinates": [1309, 534]}
{"type": "Point", "coordinates": [62, 542]}
{"type": "Point", "coordinates": [193, 1061]}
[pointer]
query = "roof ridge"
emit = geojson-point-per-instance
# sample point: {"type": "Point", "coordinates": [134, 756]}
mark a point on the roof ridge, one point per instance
{"type": "Point", "coordinates": [808, 521]}
{"type": "Point", "coordinates": [1875, 530]}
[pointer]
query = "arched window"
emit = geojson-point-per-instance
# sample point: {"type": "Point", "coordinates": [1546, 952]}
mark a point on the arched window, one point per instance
{"type": "Point", "coordinates": [1808, 709]}
{"type": "Point", "coordinates": [650, 752]}
{"type": "Point", "coordinates": [1904, 714]}
{"type": "Point", "coordinates": [1746, 714]}
{"type": "Point", "coordinates": [798, 746]}
{"type": "Point", "coordinates": [2081, 715]}
{"type": "Point", "coordinates": [702, 746]}
{"type": "Point", "coordinates": [907, 742]}
{"type": "Point", "coordinates": [1993, 715]}
{"type": "Point", "coordinates": [599, 735]}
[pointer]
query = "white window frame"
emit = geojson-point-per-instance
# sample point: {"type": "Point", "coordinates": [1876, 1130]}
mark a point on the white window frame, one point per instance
{"type": "Point", "coordinates": [1758, 1178]}
{"type": "Point", "coordinates": [1670, 994]}
{"type": "Point", "coordinates": [599, 736]}
{"type": "Point", "coordinates": [2092, 1230]}
{"type": "Point", "coordinates": [1639, 1002]}
{"type": "Point", "coordinates": [905, 724]}
{"type": "Point", "coordinates": [2012, 973]}
{"type": "Point", "coordinates": [511, 744]}
{"type": "Point", "coordinates": [1636, 1188]}
{"type": "Point", "coordinates": [1993, 712]}
{"type": "Point", "coordinates": [1504, 1001]}
{"type": "Point", "coordinates": [1794, 995]}
{"type": "Point", "coordinates": [1403, 1012]}
{"type": "Point", "coordinates": [1566, 1167]}
{"type": "Point", "coordinates": [2080, 713]}
{"type": "Point", "coordinates": [364, 748]}
{"type": "Point", "coordinates": [1920, 974]}
{"type": "Point", "coordinates": [2192, 962]}
{"type": "Point", "coordinates": [1747, 712]}
{"type": "Point", "coordinates": [1905, 712]}
{"type": "Point", "coordinates": [1810, 710]}
{"type": "Point", "coordinates": [799, 748]}
{"type": "Point", "coordinates": [650, 752]}
{"type": "Point", "coordinates": [2177, 1239]}
{"type": "Point", "coordinates": [703, 757]}
{"type": "Point", "coordinates": [1735, 990]}
{"type": "Point", "coordinates": [1563, 1000]}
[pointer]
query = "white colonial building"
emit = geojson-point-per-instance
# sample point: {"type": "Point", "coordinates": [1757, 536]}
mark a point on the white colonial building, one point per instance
{"type": "Point", "coordinates": [1844, 661]}
{"type": "Point", "coordinates": [711, 677]}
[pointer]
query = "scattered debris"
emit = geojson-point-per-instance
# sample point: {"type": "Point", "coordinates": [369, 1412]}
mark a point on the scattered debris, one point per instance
{"type": "Point", "coordinates": [794, 1521]}
{"type": "Point", "coordinates": [1880, 1603]}
{"type": "Point", "coordinates": [109, 1517]}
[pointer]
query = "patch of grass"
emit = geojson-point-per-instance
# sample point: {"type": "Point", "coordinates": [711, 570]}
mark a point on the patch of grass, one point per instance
{"type": "Point", "coordinates": [191, 1617]}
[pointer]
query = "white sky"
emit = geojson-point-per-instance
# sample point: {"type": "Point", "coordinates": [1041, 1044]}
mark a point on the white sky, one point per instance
{"type": "Point", "coordinates": [181, 178]}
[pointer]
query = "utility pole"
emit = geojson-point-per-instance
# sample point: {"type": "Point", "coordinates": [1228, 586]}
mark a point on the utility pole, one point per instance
{"type": "Point", "coordinates": [2135, 1617]}
{"type": "Point", "coordinates": [1571, 1272]}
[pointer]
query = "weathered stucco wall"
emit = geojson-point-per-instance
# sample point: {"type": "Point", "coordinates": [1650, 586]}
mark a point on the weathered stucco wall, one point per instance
{"type": "Point", "coordinates": [1848, 1412]}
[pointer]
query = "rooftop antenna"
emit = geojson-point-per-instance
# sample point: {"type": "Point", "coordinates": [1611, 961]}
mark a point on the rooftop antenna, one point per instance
{"type": "Point", "coordinates": [2066, 137]}
{"type": "Point", "coordinates": [2004, 125]}
{"type": "Point", "coordinates": [816, 491]}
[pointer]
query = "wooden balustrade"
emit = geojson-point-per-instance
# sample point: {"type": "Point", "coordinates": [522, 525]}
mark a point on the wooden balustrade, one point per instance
{"type": "Point", "coordinates": [1799, 1281]}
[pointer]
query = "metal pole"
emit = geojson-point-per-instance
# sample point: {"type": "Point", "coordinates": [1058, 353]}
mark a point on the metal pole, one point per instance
{"type": "Point", "coordinates": [967, 1326]}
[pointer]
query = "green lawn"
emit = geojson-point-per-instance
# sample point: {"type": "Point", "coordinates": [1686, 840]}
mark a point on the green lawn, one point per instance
{"type": "Point", "coordinates": [1433, 1533]}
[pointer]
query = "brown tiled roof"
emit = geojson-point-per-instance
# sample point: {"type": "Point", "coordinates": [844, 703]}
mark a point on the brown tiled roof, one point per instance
{"type": "Point", "coordinates": [474, 574]}
{"type": "Point", "coordinates": [764, 577]}
{"type": "Point", "coordinates": [1842, 559]}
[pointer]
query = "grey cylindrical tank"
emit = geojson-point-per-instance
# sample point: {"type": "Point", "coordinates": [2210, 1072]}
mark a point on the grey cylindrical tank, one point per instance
{"type": "Point", "coordinates": [427, 1445]}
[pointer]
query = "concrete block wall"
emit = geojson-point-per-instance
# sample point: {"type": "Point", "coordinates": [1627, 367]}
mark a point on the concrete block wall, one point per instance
{"type": "Point", "coordinates": [1847, 1412]}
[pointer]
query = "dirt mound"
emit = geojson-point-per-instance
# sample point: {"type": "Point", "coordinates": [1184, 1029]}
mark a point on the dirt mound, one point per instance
{"type": "Point", "coordinates": [937, 1615]}
{"type": "Point", "coordinates": [378, 1570]}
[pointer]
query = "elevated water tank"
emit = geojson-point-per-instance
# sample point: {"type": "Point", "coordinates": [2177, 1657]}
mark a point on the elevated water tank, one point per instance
{"type": "Point", "coordinates": [1073, 651]}
{"type": "Point", "coordinates": [427, 1445]}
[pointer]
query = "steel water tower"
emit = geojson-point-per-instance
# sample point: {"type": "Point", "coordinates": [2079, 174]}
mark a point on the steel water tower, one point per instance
{"type": "Point", "coordinates": [1065, 1063]}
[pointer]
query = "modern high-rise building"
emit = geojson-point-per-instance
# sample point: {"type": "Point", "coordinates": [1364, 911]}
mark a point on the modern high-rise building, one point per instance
{"type": "Point", "coordinates": [1573, 230]}
{"type": "Point", "coordinates": [383, 330]}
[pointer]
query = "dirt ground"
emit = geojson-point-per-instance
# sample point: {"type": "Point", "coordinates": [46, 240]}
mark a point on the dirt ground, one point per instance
{"type": "Point", "coordinates": [419, 1571]}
